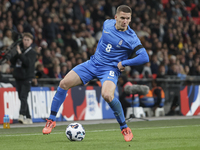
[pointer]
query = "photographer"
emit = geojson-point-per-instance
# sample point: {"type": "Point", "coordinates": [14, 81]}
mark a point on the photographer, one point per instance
{"type": "Point", "coordinates": [23, 63]}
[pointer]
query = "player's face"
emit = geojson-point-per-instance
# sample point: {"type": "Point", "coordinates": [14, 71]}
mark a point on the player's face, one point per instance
{"type": "Point", "coordinates": [122, 20]}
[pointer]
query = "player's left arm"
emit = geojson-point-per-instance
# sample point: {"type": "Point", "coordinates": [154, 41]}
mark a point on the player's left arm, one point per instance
{"type": "Point", "coordinates": [140, 58]}
{"type": "Point", "coordinates": [139, 55]}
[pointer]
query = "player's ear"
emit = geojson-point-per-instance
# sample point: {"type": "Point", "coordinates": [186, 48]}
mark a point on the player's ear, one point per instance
{"type": "Point", "coordinates": [116, 16]}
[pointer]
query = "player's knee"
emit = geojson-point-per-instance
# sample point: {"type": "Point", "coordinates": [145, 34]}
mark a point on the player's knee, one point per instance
{"type": "Point", "coordinates": [107, 96]}
{"type": "Point", "coordinates": [63, 84]}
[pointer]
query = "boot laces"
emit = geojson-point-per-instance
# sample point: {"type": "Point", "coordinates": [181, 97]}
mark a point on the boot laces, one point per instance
{"type": "Point", "coordinates": [125, 131]}
{"type": "Point", "coordinates": [48, 123]}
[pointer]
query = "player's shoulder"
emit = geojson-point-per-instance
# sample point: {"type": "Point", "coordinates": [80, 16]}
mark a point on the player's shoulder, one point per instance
{"type": "Point", "coordinates": [131, 36]}
{"type": "Point", "coordinates": [109, 22]}
{"type": "Point", "coordinates": [131, 32]}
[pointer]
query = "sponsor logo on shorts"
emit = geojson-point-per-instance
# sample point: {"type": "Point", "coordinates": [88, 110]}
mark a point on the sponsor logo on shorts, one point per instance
{"type": "Point", "coordinates": [110, 77]}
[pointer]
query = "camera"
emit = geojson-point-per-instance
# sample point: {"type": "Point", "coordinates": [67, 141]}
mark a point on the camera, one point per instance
{"type": "Point", "coordinates": [11, 51]}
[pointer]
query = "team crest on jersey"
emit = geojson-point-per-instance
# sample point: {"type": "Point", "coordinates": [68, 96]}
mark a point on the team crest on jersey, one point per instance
{"type": "Point", "coordinates": [120, 42]}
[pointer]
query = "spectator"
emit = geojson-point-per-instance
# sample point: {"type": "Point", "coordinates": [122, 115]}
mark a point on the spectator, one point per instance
{"type": "Point", "coordinates": [7, 40]}
{"type": "Point", "coordinates": [2, 26]}
{"type": "Point", "coordinates": [78, 37]}
{"type": "Point", "coordinates": [136, 77]}
{"type": "Point", "coordinates": [181, 72]}
{"type": "Point", "coordinates": [173, 70]}
{"type": "Point", "coordinates": [10, 25]}
{"type": "Point", "coordinates": [154, 64]}
{"type": "Point", "coordinates": [84, 56]}
{"type": "Point", "coordinates": [166, 64]}
{"type": "Point", "coordinates": [79, 10]}
{"type": "Point", "coordinates": [97, 30]}
{"type": "Point", "coordinates": [20, 28]}
{"type": "Point", "coordinates": [49, 31]}
{"type": "Point", "coordinates": [40, 71]}
{"type": "Point", "coordinates": [187, 70]}
{"type": "Point", "coordinates": [58, 52]}
{"type": "Point", "coordinates": [79, 60]}
{"type": "Point", "coordinates": [63, 70]}
{"type": "Point", "coordinates": [161, 72]}
{"type": "Point", "coordinates": [1, 39]}
{"type": "Point", "coordinates": [90, 40]}
{"type": "Point", "coordinates": [56, 72]}
{"type": "Point", "coordinates": [62, 59]}
{"type": "Point", "coordinates": [23, 73]}
{"type": "Point", "coordinates": [53, 46]}
{"type": "Point", "coordinates": [47, 61]}
{"type": "Point", "coordinates": [196, 72]}
{"type": "Point", "coordinates": [195, 12]}
{"type": "Point", "coordinates": [44, 46]}
{"type": "Point", "coordinates": [127, 71]}
{"type": "Point", "coordinates": [5, 67]}
{"type": "Point", "coordinates": [146, 72]}
{"type": "Point", "coordinates": [195, 65]}
{"type": "Point", "coordinates": [189, 59]}
{"type": "Point", "coordinates": [59, 41]}
{"type": "Point", "coordinates": [69, 41]}
{"type": "Point", "coordinates": [69, 65]}
{"type": "Point", "coordinates": [73, 61]}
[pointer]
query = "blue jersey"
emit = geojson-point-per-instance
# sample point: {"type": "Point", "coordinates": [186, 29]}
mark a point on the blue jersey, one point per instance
{"type": "Point", "coordinates": [115, 46]}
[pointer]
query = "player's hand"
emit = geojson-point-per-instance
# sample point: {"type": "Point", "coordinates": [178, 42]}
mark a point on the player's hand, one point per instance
{"type": "Point", "coordinates": [120, 67]}
{"type": "Point", "coordinates": [19, 50]}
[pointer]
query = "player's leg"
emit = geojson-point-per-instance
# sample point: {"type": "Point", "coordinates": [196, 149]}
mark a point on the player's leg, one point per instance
{"type": "Point", "coordinates": [81, 74]}
{"type": "Point", "coordinates": [108, 90]}
{"type": "Point", "coordinates": [70, 80]}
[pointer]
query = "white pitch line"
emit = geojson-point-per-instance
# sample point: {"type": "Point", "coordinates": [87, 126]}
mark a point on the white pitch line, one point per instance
{"type": "Point", "coordinates": [103, 130]}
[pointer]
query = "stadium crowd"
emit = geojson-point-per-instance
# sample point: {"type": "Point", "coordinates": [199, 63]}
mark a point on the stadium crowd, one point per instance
{"type": "Point", "coordinates": [68, 32]}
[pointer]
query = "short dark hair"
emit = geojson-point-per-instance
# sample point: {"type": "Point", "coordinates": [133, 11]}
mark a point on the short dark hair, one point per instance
{"type": "Point", "coordinates": [124, 8]}
{"type": "Point", "coordinates": [27, 34]}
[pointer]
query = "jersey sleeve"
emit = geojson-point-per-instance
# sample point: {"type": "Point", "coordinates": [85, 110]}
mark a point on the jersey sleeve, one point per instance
{"type": "Point", "coordinates": [136, 45]}
{"type": "Point", "coordinates": [138, 56]}
{"type": "Point", "coordinates": [141, 58]}
{"type": "Point", "coordinates": [105, 23]}
{"type": "Point", "coordinates": [136, 42]}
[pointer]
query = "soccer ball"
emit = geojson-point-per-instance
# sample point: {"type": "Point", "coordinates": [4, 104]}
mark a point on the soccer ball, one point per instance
{"type": "Point", "coordinates": [75, 132]}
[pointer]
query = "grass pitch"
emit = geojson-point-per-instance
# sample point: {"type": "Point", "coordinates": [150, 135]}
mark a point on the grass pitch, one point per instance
{"type": "Point", "coordinates": [148, 135]}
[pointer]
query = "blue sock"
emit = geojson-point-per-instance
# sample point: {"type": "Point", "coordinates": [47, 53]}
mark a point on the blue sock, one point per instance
{"type": "Point", "coordinates": [116, 106]}
{"type": "Point", "coordinates": [58, 99]}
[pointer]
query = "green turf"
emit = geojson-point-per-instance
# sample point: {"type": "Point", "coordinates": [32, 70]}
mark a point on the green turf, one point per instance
{"type": "Point", "coordinates": [148, 135]}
